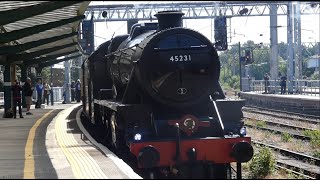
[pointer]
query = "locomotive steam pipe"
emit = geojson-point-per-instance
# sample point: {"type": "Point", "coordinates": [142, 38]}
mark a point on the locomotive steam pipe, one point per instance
{"type": "Point", "coordinates": [169, 19]}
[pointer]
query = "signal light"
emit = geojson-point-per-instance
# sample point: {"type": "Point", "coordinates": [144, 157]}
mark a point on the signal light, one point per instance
{"type": "Point", "coordinates": [220, 33]}
{"type": "Point", "coordinates": [248, 57]}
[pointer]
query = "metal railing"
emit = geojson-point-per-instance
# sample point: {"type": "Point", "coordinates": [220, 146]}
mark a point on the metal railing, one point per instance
{"type": "Point", "coordinates": [303, 87]}
{"type": "Point", "coordinates": [57, 94]}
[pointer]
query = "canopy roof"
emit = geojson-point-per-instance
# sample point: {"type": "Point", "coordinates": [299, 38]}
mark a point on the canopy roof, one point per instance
{"type": "Point", "coordinates": [30, 31]}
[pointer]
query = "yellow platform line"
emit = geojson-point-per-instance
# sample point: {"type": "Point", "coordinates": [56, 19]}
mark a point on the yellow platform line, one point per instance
{"type": "Point", "coordinates": [28, 171]}
{"type": "Point", "coordinates": [82, 164]}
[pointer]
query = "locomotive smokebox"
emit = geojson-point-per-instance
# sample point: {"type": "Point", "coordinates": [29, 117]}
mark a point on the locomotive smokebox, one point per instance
{"type": "Point", "coordinates": [169, 19]}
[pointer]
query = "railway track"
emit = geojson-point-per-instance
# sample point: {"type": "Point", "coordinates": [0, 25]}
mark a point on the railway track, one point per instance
{"type": "Point", "coordinates": [278, 124]}
{"type": "Point", "coordinates": [308, 170]}
{"type": "Point", "coordinates": [282, 166]}
{"type": "Point", "coordinates": [282, 114]}
{"type": "Point", "coordinates": [295, 135]}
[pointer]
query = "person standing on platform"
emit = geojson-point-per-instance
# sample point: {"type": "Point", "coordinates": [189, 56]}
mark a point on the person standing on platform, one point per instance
{"type": "Point", "coordinates": [64, 94]}
{"type": "Point", "coordinates": [283, 84]}
{"type": "Point", "coordinates": [266, 82]}
{"type": "Point", "coordinates": [73, 91]}
{"type": "Point", "coordinates": [16, 89]}
{"type": "Point", "coordinates": [39, 88]}
{"type": "Point", "coordinates": [46, 92]}
{"type": "Point", "coordinates": [28, 90]}
{"type": "Point", "coordinates": [78, 90]}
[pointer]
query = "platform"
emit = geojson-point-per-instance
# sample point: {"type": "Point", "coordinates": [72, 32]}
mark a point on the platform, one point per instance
{"type": "Point", "coordinates": [288, 102]}
{"type": "Point", "coordinates": [51, 144]}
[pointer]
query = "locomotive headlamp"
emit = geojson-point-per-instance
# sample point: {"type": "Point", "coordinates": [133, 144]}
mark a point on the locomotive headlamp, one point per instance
{"type": "Point", "coordinates": [149, 157]}
{"type": "Point", "coordinates": [243, 131]}
{"type": "Point", "coordinates": [137, 137]}
{"type": "Point", "coordinates": [242, 151]}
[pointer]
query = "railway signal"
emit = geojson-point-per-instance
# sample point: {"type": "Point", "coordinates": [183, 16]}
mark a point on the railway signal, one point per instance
{"type": "Point", "coordinates": [220, 33]}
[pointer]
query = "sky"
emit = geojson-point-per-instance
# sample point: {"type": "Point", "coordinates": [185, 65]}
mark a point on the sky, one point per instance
{"type": "Point", "coordinates": [242, 28]}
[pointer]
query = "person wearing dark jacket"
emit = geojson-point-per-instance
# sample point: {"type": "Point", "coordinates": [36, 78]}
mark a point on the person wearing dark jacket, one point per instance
{"type": "Point", "coordinates": [266, 78]}
{"type": "Point", "coordinates": [78, 90]}
{"type": "Point", "coordinates": [283, 83]}
{"type": "Point", "coordinates": [39, 88]}
{"type": "Point", "coordinates": [28, 90]}
{"type": "Point", "coordinates": [16, 93]}
{"type": "Point", "coordinates": [73, 91]}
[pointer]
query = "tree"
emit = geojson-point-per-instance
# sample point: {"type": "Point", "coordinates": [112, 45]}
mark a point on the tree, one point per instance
{"type": "Point", "coordinates": [46, 75]}
{"type": "Point", "coordinates": [230, 61]}
{"type": "Point", "coordinates": [261, 64]}
{"type": "Point", "coordinates": [282, 66]}
{"type": "Point", "coordinates": [282, 50]}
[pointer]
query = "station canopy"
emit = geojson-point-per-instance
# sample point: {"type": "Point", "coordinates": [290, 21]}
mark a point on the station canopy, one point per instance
{"type": "Point", "coordinates": [33, 32]}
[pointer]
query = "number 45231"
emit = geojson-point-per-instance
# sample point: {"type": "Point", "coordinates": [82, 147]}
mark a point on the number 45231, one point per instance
{"type": "Point", "coordinates": [180, 58]}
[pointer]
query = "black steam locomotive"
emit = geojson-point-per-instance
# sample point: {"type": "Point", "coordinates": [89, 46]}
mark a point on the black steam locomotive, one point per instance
{"type": "Point", "coordinates": [156, 92]}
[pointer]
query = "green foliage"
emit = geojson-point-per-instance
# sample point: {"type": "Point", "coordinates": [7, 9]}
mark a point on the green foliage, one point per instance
{"type": "Point", "coordinates": [230, 82]}
{"type": "Point", "coordinates": [286, 137]}
{"type": "Point", "coordinates": [315, 76]}
{"type": "Point", "coordinates": [268, 134]}
{"type": "Point", "coordinates": [282, 66]}
{"type": "Point", "coordinates": [314, 137]}
{"type": "Point", "coordinates": [261, 63]}
{"type": "Point", "coordinates": [261, 124]}
{"type": "Point", "coordinates": [230, 61]}
{"type": "Point", "coordinates": [282, 50]}
{"type": "Point", "coordinates": [262, 164]}
{"type": "Point", "coordinates": [46, 75]}
{"type": "Point", "coordinates": [292, 175]}
{"type": "Point", "coordinates": [316, 154]}
{"type": "Point", "coordinates": [308, 71]}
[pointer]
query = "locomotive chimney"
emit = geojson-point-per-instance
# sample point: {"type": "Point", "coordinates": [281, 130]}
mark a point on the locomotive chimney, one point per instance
{"type": "Point", "coordinates": [169, 19]}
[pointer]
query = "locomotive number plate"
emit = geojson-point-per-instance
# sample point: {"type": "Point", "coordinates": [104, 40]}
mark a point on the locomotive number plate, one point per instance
{"type": "Point", "coordinates": [180, 58]}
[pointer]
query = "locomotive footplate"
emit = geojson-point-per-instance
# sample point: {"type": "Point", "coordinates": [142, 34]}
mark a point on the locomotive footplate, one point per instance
{"type": "Point", "coordinates": [213, 149]}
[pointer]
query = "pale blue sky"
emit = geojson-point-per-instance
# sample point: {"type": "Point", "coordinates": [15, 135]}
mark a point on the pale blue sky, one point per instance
{"type": "Point", "coordinates": [249, 28]}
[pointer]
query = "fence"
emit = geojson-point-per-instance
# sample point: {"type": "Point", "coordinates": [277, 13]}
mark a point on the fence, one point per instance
{"type": "Point", "coordinates": [57, 94]}
{"type": "Point", "coordinates": [303, 87]}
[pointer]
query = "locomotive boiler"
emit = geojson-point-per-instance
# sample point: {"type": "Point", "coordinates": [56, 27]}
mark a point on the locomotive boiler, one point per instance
{"type": "Point", "coordinates": [156, 92]}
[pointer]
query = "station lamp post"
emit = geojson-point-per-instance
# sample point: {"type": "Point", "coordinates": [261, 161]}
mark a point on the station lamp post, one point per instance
{"type": "Point", "coordinates": [51, 79]}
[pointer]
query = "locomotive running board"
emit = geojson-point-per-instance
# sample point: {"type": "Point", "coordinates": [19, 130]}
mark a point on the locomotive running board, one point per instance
{"type": "Point", "coordinates": [110, 104]}
{"type": "Point", "coordinates": [118, 106]}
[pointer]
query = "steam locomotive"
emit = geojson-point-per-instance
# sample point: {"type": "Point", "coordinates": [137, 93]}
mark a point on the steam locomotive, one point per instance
{"type": "Point", "coordinates": [156, 92]}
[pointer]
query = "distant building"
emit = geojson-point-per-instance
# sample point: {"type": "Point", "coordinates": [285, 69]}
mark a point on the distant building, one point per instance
{"type": "Point", "coordinates": [313, 61]}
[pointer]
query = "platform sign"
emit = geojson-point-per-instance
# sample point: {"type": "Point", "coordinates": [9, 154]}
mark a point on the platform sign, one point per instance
{"type": "Point", "coordinates": [88, 36]}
